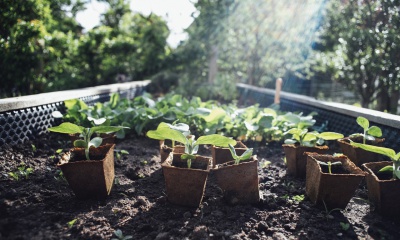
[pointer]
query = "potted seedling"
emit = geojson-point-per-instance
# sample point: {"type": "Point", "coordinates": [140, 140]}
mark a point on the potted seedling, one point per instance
{"type": "Point", "coordinates": [223, 154]}
{"type": "Point", "coordinates": [331, 179]}
{"type": "Point", "coordinates": [371, 135]}
{"type": "Point", "coordinates": [238, 179]}
{"type": "Point", "coordinates": [165, 150]}
{"type": "Point", "coordinates": [383, 180]}
{"type": "Point", "coordinates": [304, 141]}
{"type": "Point", "coordinates": [88, 167]}
{"type": "Point", "coordinates": [186, 173]}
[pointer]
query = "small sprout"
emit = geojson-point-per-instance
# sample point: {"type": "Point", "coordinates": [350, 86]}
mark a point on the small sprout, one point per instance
{"type": "Point", "coordinates": [265, 164]}
{"type": "Point", "coordinates": [22, 171]}
{"type": "Point", "coordinates": [330, 164]}
{"type": "Point", "coordinates": [369, 132]}
{"type": "Point", "coordinates": [116, 181]}
{"type": "Point", "coordinates": [119, 153]}
{"type": "Point", "coordinates": [120, 236]}
{"type": "Point", "coordinates": [33, 148]}
{"type": "Point", "coordinates": [345, 226]}
{"type": "Point", "coordinates": [71, 223]}
{"type": "Point", "coordinates": [144, 162]}
{"type": "Point", "coordinates": [59, 150]}
{"type": "Point", "coordinates": [246, 155]}
{"type": "Point", "coordinates": [59, 176]}
{"type": "Point", "coordinates": [298, 198]}
{"type": "Point", "coordinates": [310, 139]}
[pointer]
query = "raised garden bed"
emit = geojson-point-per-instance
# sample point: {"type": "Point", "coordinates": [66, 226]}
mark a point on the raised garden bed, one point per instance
{"type": "Point", "coordinates": [43, 206]}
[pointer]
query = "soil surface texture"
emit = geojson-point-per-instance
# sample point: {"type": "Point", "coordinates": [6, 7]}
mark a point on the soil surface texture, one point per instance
{"type": "Point", "coordinates": [42, 206]}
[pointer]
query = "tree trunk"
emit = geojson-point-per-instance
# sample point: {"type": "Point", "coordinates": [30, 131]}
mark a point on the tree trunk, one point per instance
{"type": "Point", "coordinates": [383, 99]}
{"type": "Point", "coordinates": [394, 101]}
{"type": "Point", "coordinates": [212, 66]}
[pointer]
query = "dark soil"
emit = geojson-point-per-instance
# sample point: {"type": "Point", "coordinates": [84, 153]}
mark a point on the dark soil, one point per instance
{"type": "Point", "coordinates": [42, 205]}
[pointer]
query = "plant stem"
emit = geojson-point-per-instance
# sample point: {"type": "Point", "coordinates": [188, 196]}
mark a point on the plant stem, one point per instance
{"type": "Point", "coordinates": [365, 132]}
{"type": "Point", "coordinates": [330, 167]}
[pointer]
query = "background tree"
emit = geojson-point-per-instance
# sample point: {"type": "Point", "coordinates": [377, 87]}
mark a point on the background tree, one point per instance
{"type": "Point", "coordinates": [359, 49]}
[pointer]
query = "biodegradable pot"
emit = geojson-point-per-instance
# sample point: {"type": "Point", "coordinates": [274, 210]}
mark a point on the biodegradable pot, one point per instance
{"type": "Point", "coordinates": [383, 191]}
{"type": "Point", "coordinates": [185, 186]}
{"type": "Point", "coordinates": [90, 179]}
{"type": "Point", "coordinates": [222, 155]}
{"type": "Point", "coordinates": [336, 189]}
{"type": "Point", "coordinates": [239, 183]}
{"type": "Point", "coordinates": [358, 155]}
{"type": "Point", "coordinates": [296, 161]}
{"type": "Point", "coordinates": [165, 150]}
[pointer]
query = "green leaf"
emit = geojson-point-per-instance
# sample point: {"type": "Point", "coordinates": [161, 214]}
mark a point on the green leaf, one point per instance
{"type": "Point", "coordinates": [80, 143]}
{"type": "Point", "coordinates": [330, 135]}
{"type": "Point", "coordinates": [56, 114]}
{"type": "Point", "coordinates": [68, 128]}
{"type": "Point", "coordinates": [124, 152]}
{"type": "Point", "coordinates": [375, 131]}
{"type": "Point", "coordinates": [106, 129]}
{"type": "Point", "coordinates": [380, 150]}
{"type": "Point", "coordinates": [165, 132]}
{"type": "Point", "coordinates": [247, 154]}
{"type": "Point", "coordinates": [72, 222]}
{"type": "Point", "coordinates": [59, 150]}
{"type": "Point", "coordinates": [363, 122]}
{"type": "Point", "coordinates": [114, 100]}
{"type": "Point", "coordinates": [96, 142]}
{"type": "Point", "coordinates": [215, 115]}
{"type": "Point", "coordinates": [387, 169]}
{"type": "Point", "coordinates": [290, 141]}
{"type": "Point", "coordinates": [98, 121]}
{"type": "Point", "coordinates": [233, 151]}
{"type": "Point", "coordinates": [251, 127]}
{"type": "Point", "coordinates": [216, 139]}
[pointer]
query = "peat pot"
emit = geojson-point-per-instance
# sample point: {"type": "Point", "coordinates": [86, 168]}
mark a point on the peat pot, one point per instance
{"type": "Point", "coordinates": [90, 179]}
{"type": "Point", "coordinates": [334, 189]}
{"type": "Point", "coordinates": [383, 191]}
{"type": "Point", "coordinates": [239, 183]}
{"type": "Point", "coordinates": [296, 161]}
{"type": "Point", "coordinates": [222, 155]}
{"type": "Point", "coordinates": [165, 150]}
{"type": "Point", "coordinates": [358, 155]}
{"type": "Point", "coordinates": [185, 186]}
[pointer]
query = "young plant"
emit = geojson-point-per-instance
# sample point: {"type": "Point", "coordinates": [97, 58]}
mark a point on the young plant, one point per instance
{"type": "Point", "coordinates": [22, 171]}
{"type": "Point", "coordinates": [330, 164]}
{"type": "Point", "coordinates": [164, 131]}
{"type": "Point", "coordinates": [369, 132]}
{"type": "Point", "coordinates": [85, 133]}
{"type": "Point", "coordinates": [246, 155]}
{"type": "Point", "coordinates": [310, 139]}
{"type": "Point", "coordinates": [395, 168]}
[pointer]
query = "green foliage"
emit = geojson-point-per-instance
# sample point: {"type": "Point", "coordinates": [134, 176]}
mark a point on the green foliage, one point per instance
{"type": "Point", "coordinates": [344, 226]}
{"type": "Point", "coordinates": [330, 164]}
{"type": "Point", "coordinates": [120, 236]}
{"type": "Point", "coordinates": [358, 47]}
{"type": "Point", "coordinates": [86, 133]}
{"type": "Point", "coordinates": [246, 155]}
{"type": "Point", "coordinates": [71, 223]}
{"type": "Point", "coordinates": [310, 139]}
{"type": "Point", "coordinates": [22, 171]}
{"type": "Point", "coordinates": [386, 152]}
{"type": "Point", "coordinates": [164, 131]}
{"type": "Point", "coordinates": [369, 132]}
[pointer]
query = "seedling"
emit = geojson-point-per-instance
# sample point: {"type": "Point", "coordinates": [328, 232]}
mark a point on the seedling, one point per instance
{"type": "Point", "coordinates": [120, 236]}
{"type": "Point", "coordinates": [345, 226]}
{"type": "Point", "coordinates": [71, 223]}
{"type": "Point", "coordinates": [164, 131]}
{"type": "Point", "coordinates": [246, 155]}
{"type": "Point", "coordinates": [86, 133]}
{"type": "Point", "coordinates": [330, 164]}
{"type": "Point", "coordinates": [369, 132]}
{"type": "Point", "coordinates": [22, 171]}
{"type": "Point", "coordinates": [119, 153]}
{"type": "Point", "coordinates": [395, 168]}
{"type": "Point", "coordinates": [310, 139]}
{"type": "Point", "coordinates": [33, 148]}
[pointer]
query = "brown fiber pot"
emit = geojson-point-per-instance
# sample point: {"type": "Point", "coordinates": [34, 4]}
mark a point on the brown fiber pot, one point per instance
{"type": "Point", "coordinates": [239, 183]}
{"type": "Point", "coordinates": [336, 189]}
{"type": "Point", "coordinates": [185, 186]}
{"type": "Point", "coordinates": [384, 194]}
{"type": "Point", "coordinates": [90, 179]}
{"type": "Point", "coordinates": [358, 155]}
{"type": "Point", "coordinates": [165, 150]}
{"type": "Point", "coordinates": [222, 155]}
{"type": "Point", "coordinates": [296, 161]}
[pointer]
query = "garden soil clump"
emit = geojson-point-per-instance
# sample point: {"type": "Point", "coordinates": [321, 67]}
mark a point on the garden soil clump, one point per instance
{"type": "Point", "coordinates": [42, 206]}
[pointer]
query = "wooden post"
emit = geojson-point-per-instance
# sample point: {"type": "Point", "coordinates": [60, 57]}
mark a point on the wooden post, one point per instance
{"type": "Point", "coordinates": [278, 88]}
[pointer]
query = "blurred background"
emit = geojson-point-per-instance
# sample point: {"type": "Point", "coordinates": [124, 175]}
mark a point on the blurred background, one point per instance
{"type": "Point", "coordinates": [333, 50]}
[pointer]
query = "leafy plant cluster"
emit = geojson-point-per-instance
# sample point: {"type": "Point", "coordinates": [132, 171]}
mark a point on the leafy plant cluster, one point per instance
{"type": "Point", "coordinates": [144, 113]}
